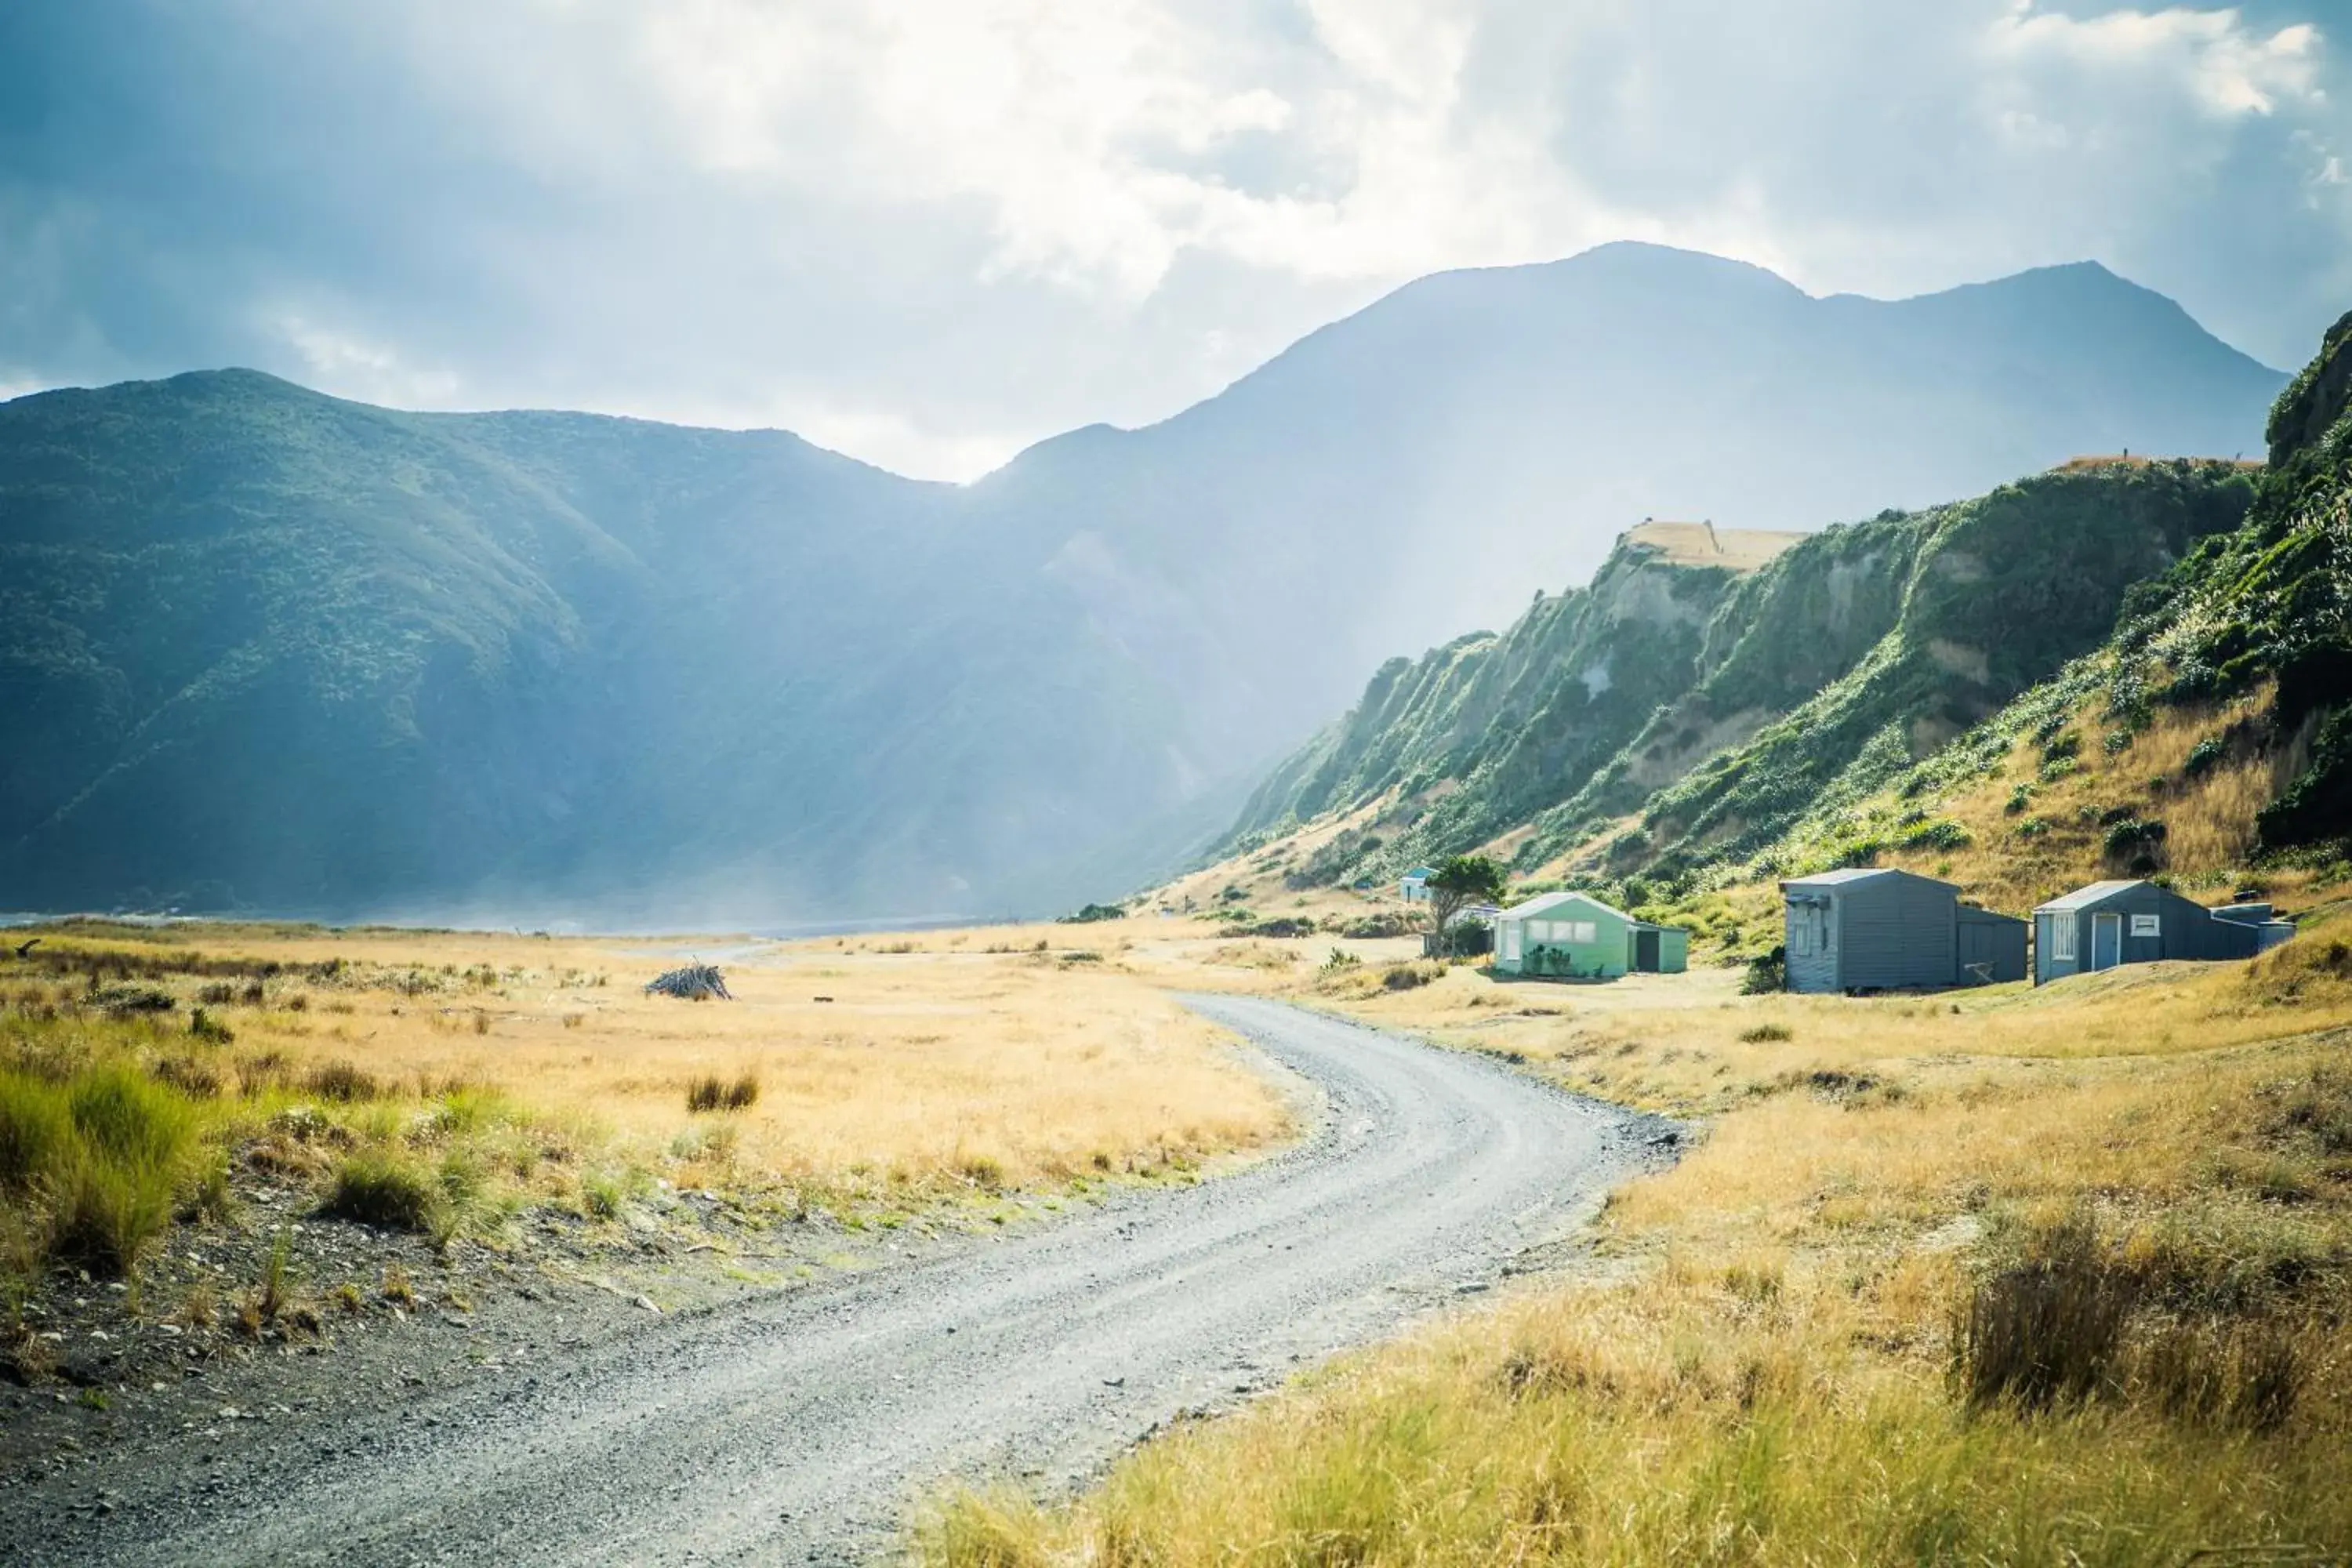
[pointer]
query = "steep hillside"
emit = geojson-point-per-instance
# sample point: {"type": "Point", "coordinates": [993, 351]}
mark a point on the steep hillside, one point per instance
{"type": "Point", "coordinates": [1572, 678]}
{"type": "Point", "coordinates": [2213, 731]}
{"type": "Point", "coordinates": [1722, 708]}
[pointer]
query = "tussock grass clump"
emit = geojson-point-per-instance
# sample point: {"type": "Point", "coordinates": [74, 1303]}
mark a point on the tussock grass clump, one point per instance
{"type": "Point", "coordinates": [378, 1189]}
{"type": "Point", "coordinates": [2046, 1329]}
{"type": "Point", "coordinates": [1764, 1034]}
{"type": "Point", "coordinates": [344, 1082]}
{"type": "Point", "coordinates": [602, 1194]}
{"type": "Point", "coordinates": [95, 1160]}
{"type": "Point", "coordinates": [37, 1130]}
{"type": "Point", "coordinates": [192, 1075]}
{"type": "Point", "coordinates": [982, 1171]}
{"type": "Point", "coordinates": [1410, 976]}
{"type": "Point", "coordinates": [712, 1093]}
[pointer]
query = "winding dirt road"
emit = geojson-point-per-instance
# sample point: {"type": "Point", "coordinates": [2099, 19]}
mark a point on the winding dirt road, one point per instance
{"type": "Point", "coordinates": [797, 1429]}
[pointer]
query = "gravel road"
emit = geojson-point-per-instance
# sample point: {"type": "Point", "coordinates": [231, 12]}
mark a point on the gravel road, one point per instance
{"type": "Point", "coordinates": [798, 1428]}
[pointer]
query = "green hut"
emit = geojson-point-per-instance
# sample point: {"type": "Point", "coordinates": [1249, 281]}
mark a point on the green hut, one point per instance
{"type": "Point", "coordinates": [1575, 936]}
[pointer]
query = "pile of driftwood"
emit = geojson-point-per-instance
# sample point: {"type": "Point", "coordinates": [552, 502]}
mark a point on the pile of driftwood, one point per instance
{"type": "Point", "coordinates": [695, 983]}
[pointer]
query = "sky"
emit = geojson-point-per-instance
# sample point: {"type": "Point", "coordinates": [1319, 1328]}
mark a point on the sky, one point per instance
{"type": "Point", "coordinates": [930, 232]}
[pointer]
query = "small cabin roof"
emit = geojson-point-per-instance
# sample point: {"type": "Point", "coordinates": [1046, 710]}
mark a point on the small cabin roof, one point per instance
{"type": "Point", "coordinates": [2084, 898]}
{"type": "Point", "coordinates": [1848, 875]}
{"type": "Point", "coordinates": [1544, 902]}
{"type": "Point", "coordinates": [1421, 873]}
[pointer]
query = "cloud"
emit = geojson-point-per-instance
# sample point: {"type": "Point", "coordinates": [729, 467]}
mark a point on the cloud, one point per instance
{"type": "Point", "coordinates": [931, 231]}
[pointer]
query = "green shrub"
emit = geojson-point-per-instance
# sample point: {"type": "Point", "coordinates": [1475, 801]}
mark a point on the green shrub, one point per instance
{"type": "Point", "coordinates": [1941, 834]}
{"type": "Point", "coordinates": [1767, 971]}
{"type": "Point", "coordinates": [204, 1027]}
{"type": "Point", "coordinates": [2019, 799]}
{"type": "Point", "coordinates": [376, 1189]}
{"type": "Point", "coordinates": [2205, 756]}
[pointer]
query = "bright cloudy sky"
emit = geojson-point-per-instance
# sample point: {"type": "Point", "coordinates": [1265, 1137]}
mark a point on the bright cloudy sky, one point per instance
{"type": "Point", "coordinates": [928, 231]}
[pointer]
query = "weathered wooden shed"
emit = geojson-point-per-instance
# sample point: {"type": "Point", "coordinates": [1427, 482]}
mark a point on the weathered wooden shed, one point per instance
{"type": "Point", "coordinates": [1880, 928]}
{"type": "Point", "coordinates": [2111, 923]}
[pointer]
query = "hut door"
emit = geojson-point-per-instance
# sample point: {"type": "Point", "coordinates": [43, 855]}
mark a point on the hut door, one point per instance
{"type": "Point", "coordinates": [2106, 941]}
{"type": "Point", "coordinates": [1645, 952]}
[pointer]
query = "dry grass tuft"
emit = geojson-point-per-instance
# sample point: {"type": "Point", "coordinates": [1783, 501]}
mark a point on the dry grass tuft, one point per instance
{"type": "Point", "coordinates": [711, 1092]}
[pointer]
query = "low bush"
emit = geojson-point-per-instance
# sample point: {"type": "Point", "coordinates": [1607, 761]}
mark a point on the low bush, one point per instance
{"type": "Point", "coordinates": [1767, 972]}
{"type": "Point", "coordinates": [1410, 976]}
{"type": "Point", "coordinates": [1766, 1034]}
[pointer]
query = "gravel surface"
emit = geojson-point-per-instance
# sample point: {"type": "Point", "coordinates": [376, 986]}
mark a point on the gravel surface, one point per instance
{"type": "Point", "coordinates": [798, 1428]}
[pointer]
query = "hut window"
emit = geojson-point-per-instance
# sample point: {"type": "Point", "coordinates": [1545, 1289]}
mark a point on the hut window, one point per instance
{"type": "Point", "coordinates": [1805, 928]}
{"type": "Point", "coordinates": [1583, 930]}
{"type": "Point", "coordinates": [2062, 937]}
{"type": "Point", "coordinates": [2147, 925]}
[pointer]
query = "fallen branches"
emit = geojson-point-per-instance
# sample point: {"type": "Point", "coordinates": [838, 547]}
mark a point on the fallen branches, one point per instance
{"type": "Point", "coordinates": [695, 983]}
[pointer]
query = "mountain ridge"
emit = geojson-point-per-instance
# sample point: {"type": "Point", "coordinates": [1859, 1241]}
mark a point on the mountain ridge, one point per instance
{"type": "Point", "coordinates": [555, 660]}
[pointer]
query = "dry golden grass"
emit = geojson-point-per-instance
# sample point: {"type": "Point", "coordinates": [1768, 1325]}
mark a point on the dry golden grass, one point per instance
{"type": "Point", "coordinates": [919, 1058]}
{"type": "Point", "coordinates": [1755, 1369]}
{"type": "Point", "coordinates": [2019, 858]}
{"type": "Point", "coordinates": [1704, 545]}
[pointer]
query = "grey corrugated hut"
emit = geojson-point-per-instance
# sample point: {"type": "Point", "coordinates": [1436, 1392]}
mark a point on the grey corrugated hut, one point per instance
{"type": "Point", "coordinates": [2110, 924]}
{"type": "Point", "coordinates": [1879, 929]}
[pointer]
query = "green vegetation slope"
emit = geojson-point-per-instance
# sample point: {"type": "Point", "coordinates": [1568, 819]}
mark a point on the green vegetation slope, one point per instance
{"type": "Point", "coordinates": [1716, 712]}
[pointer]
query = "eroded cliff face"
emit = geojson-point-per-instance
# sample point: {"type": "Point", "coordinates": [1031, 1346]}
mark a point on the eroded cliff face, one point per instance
{"type": "Point", "coordinates": [1719, 705]}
